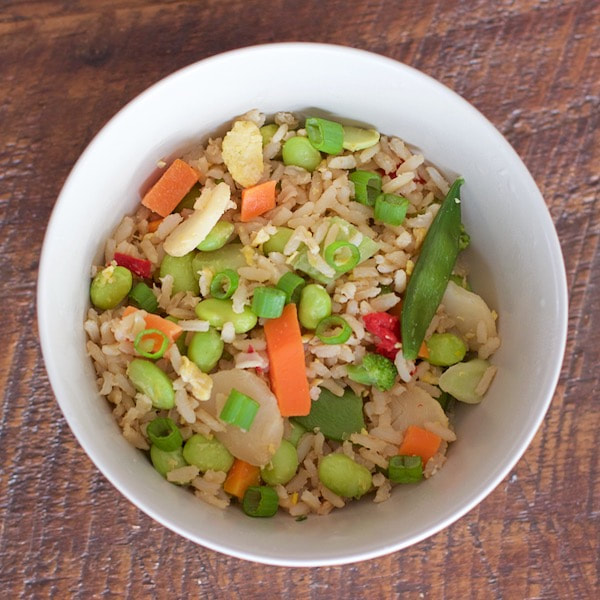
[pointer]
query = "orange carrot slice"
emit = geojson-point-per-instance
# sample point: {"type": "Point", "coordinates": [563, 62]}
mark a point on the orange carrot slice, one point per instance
{"type": "Point", "coordinates": [257, 200]}
{"type": "Point", "coordinates": [153, 225]}
{"type": "Point", "coordinates": [170, 329]}
{"type": "Point", "coordinates": [170, 189]}
{"type": "Point", "coordinates": [287, 366]}
{"type": "Point", "coordinates": [240, 477]}
{"type": "Point", "coordinates": [419, 442]}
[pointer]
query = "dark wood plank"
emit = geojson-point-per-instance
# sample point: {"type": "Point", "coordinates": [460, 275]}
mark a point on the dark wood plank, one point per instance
{"type": "Point", "coordinates": [532, 67]}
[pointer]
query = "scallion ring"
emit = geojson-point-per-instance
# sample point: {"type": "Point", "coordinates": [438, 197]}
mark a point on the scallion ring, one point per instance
{"type": "Point", "coordinates": [342, 256]}
{"type": "Point", "coordinates": [164, 434]}
{"type": "Point", "coordinates": [326, 136]}
{"type": "Point", "coordinates": [292, 285]}
{"type": "Point", "coordinates": [268, 302]}
{"type": "Point", "coordinates": [239, 410]}
{"type": "Point", "coordinates": [143, 297]}
{"type": "Point", "coordinates": [151, 343]}
{"type": "Point", "coordinates": [367, 186]}
{"type": "Point", "coordinates": [390, 209]}
{"type": "Point", "coordinates": [327, 327]}
{"type": "Point", "coordinates": [224, 284]}
{"type": "Point", "coordinates": [405, 469]}
{"type": "Point", "coordinates": [260, 501]}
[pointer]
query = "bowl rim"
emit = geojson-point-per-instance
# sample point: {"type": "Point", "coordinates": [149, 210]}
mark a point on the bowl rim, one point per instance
{"type": "Point", "coordinates": [60, 393]}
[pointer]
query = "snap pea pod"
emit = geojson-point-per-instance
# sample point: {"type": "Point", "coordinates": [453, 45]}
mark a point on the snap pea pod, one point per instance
{"type": "Point", "coordinates": [432, 271]}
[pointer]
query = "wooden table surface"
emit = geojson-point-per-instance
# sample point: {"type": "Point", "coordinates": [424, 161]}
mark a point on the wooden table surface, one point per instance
{"type": "Point", "coordinates": [531, 66]}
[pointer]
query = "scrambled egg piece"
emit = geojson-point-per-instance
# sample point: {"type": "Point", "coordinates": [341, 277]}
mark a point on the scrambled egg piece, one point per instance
{"type": "Point", "coordinates": [199, 382]}
{"type": "Point", "coordinates": [242, 153]}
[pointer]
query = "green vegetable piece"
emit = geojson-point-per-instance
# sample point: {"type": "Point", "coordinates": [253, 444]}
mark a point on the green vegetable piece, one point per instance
{"type": "Point", "coordinates": [277, 242]}
{"type": "Point", "coordinates": [152, 381]}
{"type": "Point", "coordinates": [296, 431]}
{"type": "Point", "coordinates": [462, 281]}
{"type": "Point", "coordinates": [164, 433]}
{"type": "Point", "coordinates": [358, 138]}
{"type": "Point", "coordinates": [110, 287]}
{"type": "Point", "coordinates": [299, 152]}
{"type": "Point", "coordinates": [224, 284]}
{"type": "Point", "coordinates": [291, 285]}
{"type": "Point", "coordinates": [333, 330]}
{"type": "Point", "coordinates": [180, 341]}
{"type": "Point", "coordinates": [189, 199]}
{"type": "Point", "coordinates": [445, 349]}
{"type": "Point", "coordinates": [315, 305]}
{"type": "Point", "coordinates": [367, 186]}
{"type": "Point", "coordinates": [341, 256]}
{"type": "Point", "coordinates": [429, 279]}
{"type": "Point", "coordinates": [181, 269]}
{"type": "Point", "coordinates": [390, 209]}
{"type": "Point", "coordinates": [206, 349]}
{"type": "Point", "coordinates": [464, 241]}
{"type": "Point", "coordinates": [283, 465]}
{"type": "Point", "coordinates": [405, 469]}
{"type": "Point", "coordinates": [260, 501]}
{"type": "Point", "coordinates": [335, 416]}
{"type": "Point", "coordinates": [143, 297]}
{"type": "Point", "coordinates": [326, 136]}
{"type": "Point", "coordinates": [239, 410]}
{"type": "Point", "coordinates": [376, 370]}
{"type": "Point", "coordinates": [228, 257]}
{"type": "Point", "coordinates": [343, 476]}
{"type": "Point", "coordinates": [217, 237]}
{"type": "Point", "coordinates": [166, 460]}
{"type": "Point", "coordinates": [207, 455]}
{"type": "Point", "coordinates": [218, 312]}
{"type": "Point", "coordinates": [267, 132]}
{"type": "Point", "coordinates": [268, 302]}
{"type": "Point", "coordinates": [461, 380]}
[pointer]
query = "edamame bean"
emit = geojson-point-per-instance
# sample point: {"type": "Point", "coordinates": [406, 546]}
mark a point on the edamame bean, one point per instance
{"type": "Point", "coordinates": [218, 312]}
{"type": "Point", "coordinates": [110, 286]}
{"type": "Point", "coordinates": [189, 199]}
{"type": "Point", "coordinates": [296, 431]}
{"type": "Point", "coordinates": [217, 237]}
{"type": "Point", "coordinates": [165, 461]}
{"type": "Point", "coordinates": [343, 476]}
{"type": "Point", "coordinates": [267, 132]}
{"type": "Point", "coordinates": [277, 242]}
{"type": "Point", "coordinates": [206, 349]}
{"type": "Point", "coordinates": [228, 257]}
{"type": "Point", "coordinates": [180, 268]}
{"type": "Point", "coordinates": [207, 454]}
{"type": "Point", "coordinates": [283, 465]}
{"type": "Point", "coordinates": [315, 304]}
{"type": "Point", "coordinates": [445, 349]}
{"type": "Point", "coordinates": [298, 151]}
{"type": "Point", "coordinates": [152, 381]}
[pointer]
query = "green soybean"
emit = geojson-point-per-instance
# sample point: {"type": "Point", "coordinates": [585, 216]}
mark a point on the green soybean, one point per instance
{"type": "Point", "coordinates": [299, 152]}
{"type": "Point", "coordinates": [152, 381]}
{"type": "Point", "coordinates": [206, 349]}
{"type": "Point", "coordinates": [218, 312]}
{"type": "Point", "coordinates": [165, 461]}
{"type": "Point", "coordinates": [283, 465]}
{"type": "Point", "coordinates": [277, 242]}
{"type": "Point", "coordinates": [217, 237]}
{"type": "Point", "coordinates": [267, 132]}
{"type": "Point", "coordinates": [343, 476]}
{"type": "Point", "coordinates": [181, 269]}
{"type": "Point", "coordinates": [445, 349]}
{"type": "Point", "coordinates": [207, 454]}
{"type": "Point", "coordinates": [228, 257]}
{"type": "Point", "coordinates": [110, 287]}
{"type": "Point", "coordinates": [189, 199]}
{"type": "Point", "coordinates": [315, 304]}
{"type": "Point", "coordinates": [296, 431]}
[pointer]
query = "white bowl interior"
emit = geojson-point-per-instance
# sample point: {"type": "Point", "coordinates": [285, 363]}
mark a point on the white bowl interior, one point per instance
{"type": "Point", "coordinates": [515, 259]}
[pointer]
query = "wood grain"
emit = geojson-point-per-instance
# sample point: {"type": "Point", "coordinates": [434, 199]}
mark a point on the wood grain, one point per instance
{"type": "Point", "coordinates": [531, 66]}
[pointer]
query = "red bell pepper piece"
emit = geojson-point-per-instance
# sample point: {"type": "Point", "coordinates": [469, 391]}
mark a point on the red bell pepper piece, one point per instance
{"type": "Point", "coordinates": [387, 328]}
{"type": "Point", "coordinates": [139, 266]}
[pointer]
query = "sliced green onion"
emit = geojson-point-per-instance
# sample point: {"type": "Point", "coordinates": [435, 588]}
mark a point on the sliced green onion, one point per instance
{"type": "Point", "coordinates": [292, 285]}
{"type": "Point", "coordinates": [367, 186]}
{"type": "Point", "coordinates": [147, 340]}
{"type": "Point", "coordinates": [390, 209]}
{"type": "Point", "coordinates": [144, 298]}
{"type": "Point", "coordinates": [224, 284]}
{"type": "Point", "coordinates": [326, 328]}
{"type": "Point", "coordinates": [326, 136]}
{"type": "Point", "coordinates": [268, 302]}
{"type": "Point", "coordinates": [405, 469]}
{"type": "Point", "coordinates": [342, 256]}
{"type": "Point", "coordinates": [164, 434]}
{"type": "Point", "coordinates": [260, 501]}
{"type": "Point", "coordinates": [239, 410]}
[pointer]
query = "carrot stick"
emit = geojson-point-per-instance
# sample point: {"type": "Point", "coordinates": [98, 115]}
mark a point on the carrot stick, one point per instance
{"type": "Point", "coordinates": [169, 190]}
{"type": "Point", "coordinates": [287, 366]}
{"type": "Point", "coordinates": [153, 225]}
{"type": "Point", "coordinates": [170, 329]}
{"type": "Point", "coordinates": [257, 200]}
{"type": "Point", "coordinates": [423, 351]}
{"type": "Point", "coordinates": [419, 442]}
{"type": "Point", "coordinates": [240, 477]}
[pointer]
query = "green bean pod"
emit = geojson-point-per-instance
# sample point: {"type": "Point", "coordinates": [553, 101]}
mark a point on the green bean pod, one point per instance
{"type": "Point", "coordinates": [432, 271]}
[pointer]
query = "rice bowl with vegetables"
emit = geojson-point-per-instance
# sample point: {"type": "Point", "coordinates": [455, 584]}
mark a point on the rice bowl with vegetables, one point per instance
{"type": "Point", "coordinates": [286, 322]}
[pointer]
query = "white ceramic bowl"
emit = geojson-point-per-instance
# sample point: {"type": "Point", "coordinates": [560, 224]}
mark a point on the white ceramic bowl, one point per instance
{"type": "Point", "coordinates": [515, 257]}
